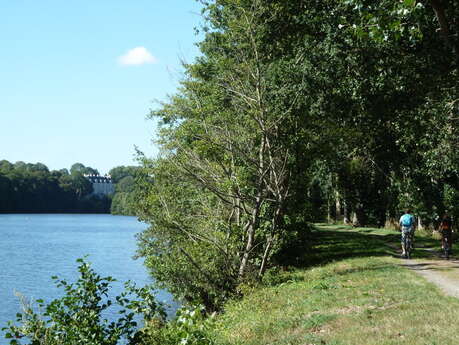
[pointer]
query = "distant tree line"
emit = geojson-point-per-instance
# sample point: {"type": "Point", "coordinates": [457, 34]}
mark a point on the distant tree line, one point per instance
{"type": "Point", "coordinates": [33, 188]}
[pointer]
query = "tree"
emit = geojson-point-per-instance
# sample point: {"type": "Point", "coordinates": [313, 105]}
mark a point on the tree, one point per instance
{"type": "Point", "coordinates": [230, 180]}
{"type": "Point", "coordinates": [118, 173]}
{"type": "Point", "coordinates": [81, 168]}
{"type": "Point", "coordinates": [124, 199]}
{"type": "Point", "coordinates": [423, 128]}
{"type": "Point", "coordinates": [80, 185]}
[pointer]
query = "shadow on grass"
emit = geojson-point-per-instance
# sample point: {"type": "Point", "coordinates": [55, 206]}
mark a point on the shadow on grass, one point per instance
{"type": "Point", "coordinates": [429, 266]}
{"type": "Point", "coordinates": [429, 248]}
{"type": "Point", "coordinates": [330, 243]}
{"type": "Point", "coordinates": [327, 243]}
{"type": "Point", "coordinates": [362, 269]}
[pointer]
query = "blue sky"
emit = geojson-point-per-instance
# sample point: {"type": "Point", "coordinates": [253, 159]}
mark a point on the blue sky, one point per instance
{"type": "Point", "coordinates": [78, 77]}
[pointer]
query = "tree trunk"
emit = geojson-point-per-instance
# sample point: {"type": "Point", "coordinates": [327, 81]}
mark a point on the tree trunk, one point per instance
{"type": "Point", "coordinates": [347, 212]}
{"type": "Point", "coordinates": [338, 214]}
{"type": "Point", "coordinates": [382, 217]}
{"type": "Point", "coordinates": [251, 227]}
{"type": "Point", "coordinates": [439, 10]}
{"type": "Point", "coordinates": [265, 256]}
{"type": "Point", "coordinates": [420, 224]}
{"type": "Point", "coordinates": [361, 216]}
{"type": "Point", "coordinates": [238, 212]}
{"type": "Point", "coordinates": [391, 223]}
{"type": "Point", "coordinates": [328, 211]}
{"type": "Point", "coordinates": [248, 248]}
{"type": "Point", "coordinates": [354, 219]}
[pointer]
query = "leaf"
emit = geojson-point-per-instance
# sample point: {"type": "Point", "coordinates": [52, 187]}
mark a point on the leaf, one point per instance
{"type": "Point", "coordinates": [410, 3]}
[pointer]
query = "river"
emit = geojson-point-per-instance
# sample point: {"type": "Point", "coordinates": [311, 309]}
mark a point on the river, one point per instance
{"type": "Point", "coordinates": [34, 247]}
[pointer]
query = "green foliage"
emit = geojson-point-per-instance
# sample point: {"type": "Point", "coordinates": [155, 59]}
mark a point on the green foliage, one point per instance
{"type": "Point", "coordinates": [290, 249]}
{"type": "Point", "coordinates": [298, 111]}
{"type": "Point", "coordinates": [123, 204]}
{"type": "Point", "coordinates": [78, 316]}
{"type": "Point", "coordinates": [233, 168]}
{"type": "Point", "coordinates": [390, 140]}
{"type": "Point", "coordinates": [189, 328]}
{"type": "Point", "coordinates": [79, 168]}
{"type": "Point", "coordinates": [196, 264]}
{"type": "Point", "coordinates": [385, 21]}
{"type": "Point", "coordinates": [120, 172]}
{"type": "Point", "coordinates": [26, 187]}
{"type": "Point", "coordinates": [124, 178]}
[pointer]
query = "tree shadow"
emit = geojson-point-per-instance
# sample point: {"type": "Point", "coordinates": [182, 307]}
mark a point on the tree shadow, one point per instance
{"type": "Point", "coordinates": [432, 265]}
{"type": "Point", "coordinates": [376, 267]}
{"type": "Point", "coordinates": [326, 245]}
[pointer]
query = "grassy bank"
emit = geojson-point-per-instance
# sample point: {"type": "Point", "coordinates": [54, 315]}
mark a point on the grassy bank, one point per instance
{"type": "Point", "coordinates": [354, 291]}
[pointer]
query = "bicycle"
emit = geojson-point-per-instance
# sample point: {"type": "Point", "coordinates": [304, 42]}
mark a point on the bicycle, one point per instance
{"type": "Point", "coordinates": [408, 243]}
{"type": "Point", "coordinates": [446, 245]}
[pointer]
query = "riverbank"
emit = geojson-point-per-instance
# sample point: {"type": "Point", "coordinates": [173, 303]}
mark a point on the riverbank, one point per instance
{"type": "Point", "coordinates": [355, 291]}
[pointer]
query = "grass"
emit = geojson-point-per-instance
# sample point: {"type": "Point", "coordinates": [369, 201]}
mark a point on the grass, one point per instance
{"type": "Point", "coordinates": [353, 291]}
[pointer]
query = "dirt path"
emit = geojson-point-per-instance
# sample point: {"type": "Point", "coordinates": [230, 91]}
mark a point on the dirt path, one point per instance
{"type": "Point", "coordinates": [441, 272]}
{"type": "Point", "coordinates": [444, 274]}
{"type": "Point", "coordinates": [426, 261]}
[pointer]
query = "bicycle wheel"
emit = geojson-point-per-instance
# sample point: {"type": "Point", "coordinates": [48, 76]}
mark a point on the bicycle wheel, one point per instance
{"type": "Point", "coordinates": [407, 244]}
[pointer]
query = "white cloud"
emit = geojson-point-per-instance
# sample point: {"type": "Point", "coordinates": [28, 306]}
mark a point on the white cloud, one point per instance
{"type": "Point", "coordinates": [137, 56]}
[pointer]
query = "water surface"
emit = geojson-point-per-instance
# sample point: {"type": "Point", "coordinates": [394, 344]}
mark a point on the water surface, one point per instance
{"type": "Point", "coordinates": [34, 247]}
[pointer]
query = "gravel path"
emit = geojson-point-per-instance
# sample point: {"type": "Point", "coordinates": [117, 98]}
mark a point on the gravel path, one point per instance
{"type": "Point", "coordinates": [437, 270]}
{"type": "Point", "coordinates": [444, 274]}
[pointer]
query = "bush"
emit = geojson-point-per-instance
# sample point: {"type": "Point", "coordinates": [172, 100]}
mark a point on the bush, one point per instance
{"type": "Point", "coordinates": [77, 318]}
{"type": "Point", "coordinates": [189, 328]}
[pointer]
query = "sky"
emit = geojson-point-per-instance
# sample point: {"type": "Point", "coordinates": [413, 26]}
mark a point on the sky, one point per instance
{"type": "Point", "coordinates": [79, 77]}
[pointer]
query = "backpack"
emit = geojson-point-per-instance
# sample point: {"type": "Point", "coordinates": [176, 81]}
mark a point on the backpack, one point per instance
{"type": "Point", "coordinates": [446, 224]}
{"type": "Point", "coordinates": [407, 220]}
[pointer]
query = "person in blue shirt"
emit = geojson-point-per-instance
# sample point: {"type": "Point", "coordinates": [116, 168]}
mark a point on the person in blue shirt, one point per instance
{"type": "Point", "coordinates": [407, 226]}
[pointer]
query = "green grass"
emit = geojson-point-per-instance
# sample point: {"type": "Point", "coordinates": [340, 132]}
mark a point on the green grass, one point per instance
{"type": "Point", "coordinates": [352, 291]}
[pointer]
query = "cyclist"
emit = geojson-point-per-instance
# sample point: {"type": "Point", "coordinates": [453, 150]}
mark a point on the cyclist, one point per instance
{"type": "Point", "coordinates": [407, 224]}
{"type": "Point", "coordinates": [445, 229]}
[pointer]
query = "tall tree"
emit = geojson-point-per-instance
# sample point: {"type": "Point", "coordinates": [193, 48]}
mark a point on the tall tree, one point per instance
{"type": "Point", "coordinates": [231, 179]}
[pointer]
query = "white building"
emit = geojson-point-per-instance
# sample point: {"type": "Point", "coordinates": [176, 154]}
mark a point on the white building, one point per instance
{"type": "Point", "coordinates": [101, 185]}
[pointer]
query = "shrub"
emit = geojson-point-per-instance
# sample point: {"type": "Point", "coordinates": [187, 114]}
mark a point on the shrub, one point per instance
{"type": "Point", "coordinates": [191, 327]}
{"type": "Point", "coordinates": [77, 317]}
